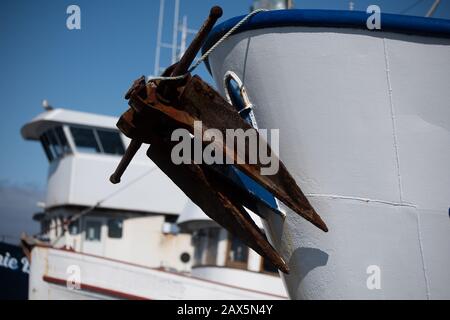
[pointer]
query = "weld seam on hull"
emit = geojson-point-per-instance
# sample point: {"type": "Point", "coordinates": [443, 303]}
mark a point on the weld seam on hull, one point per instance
{"type": "Point", "coordinates": [419, 234]}
{"type": "Point", "coordinates": [394, 128]}
{"type": "Point", "coordinates": [333, 196]}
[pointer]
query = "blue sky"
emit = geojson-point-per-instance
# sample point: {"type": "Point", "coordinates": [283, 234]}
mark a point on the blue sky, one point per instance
{"type": "Point", "coordinates": [90, 69]}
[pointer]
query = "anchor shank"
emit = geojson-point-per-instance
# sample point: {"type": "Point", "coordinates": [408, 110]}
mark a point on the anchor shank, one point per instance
{"type": "Point", "coordinates": [182, 67]}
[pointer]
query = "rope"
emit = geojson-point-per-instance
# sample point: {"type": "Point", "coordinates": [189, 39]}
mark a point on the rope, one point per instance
{"type": "Point", "coordinates": [214, 47]}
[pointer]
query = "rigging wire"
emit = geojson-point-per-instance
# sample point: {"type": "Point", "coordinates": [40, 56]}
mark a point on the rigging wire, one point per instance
{"type": "Point", "coordinates": [82, 213]}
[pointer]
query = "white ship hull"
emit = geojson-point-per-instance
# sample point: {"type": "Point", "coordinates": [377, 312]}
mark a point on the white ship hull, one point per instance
{"type": "Point", "coordinates": [364, 123]}
{"type": "Point", "coordinates": [57, 274]}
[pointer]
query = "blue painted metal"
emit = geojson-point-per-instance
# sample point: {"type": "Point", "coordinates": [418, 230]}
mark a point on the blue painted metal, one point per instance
{"type": "Point", "coordinates": [238, 176]}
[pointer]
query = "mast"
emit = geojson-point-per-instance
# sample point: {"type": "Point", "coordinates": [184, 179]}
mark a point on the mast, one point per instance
{"type": "Point", "coordinates": [184, 34]}
{"type": "Point", "coordinates": [176, 19]}
{"type": "Point", "coordinates": [175, 47]}
{"type": "Point", "coordinates": [159, 37]}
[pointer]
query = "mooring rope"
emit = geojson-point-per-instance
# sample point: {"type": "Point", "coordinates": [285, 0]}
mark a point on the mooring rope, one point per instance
{"type": "Point", "coordinates": [214, 47]}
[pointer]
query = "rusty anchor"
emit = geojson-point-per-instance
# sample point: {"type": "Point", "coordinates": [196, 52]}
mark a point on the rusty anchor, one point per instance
{"type": "Point", "coordinates": [159, 107]}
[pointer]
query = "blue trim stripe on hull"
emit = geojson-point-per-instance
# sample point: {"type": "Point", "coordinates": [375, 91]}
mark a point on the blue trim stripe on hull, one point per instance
{"type": "Point", "coordinates": [333, 18]}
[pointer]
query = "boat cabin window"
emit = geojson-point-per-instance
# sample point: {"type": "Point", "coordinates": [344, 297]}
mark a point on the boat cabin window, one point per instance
{"type": "Point", "coordinates": [45, 226]}
{"type": "Point", "coordinates": [85, 140]}
{"type": "Point", "coordinates": [90, 140]}
{"type": "Point", "coordinates": [237, 253]}
{"type": "Point", "coordinates": [93, 230]}
{"type": "Point", "coordinates": [206, 242]}
{"type": "Point", "coordinates": [55, 143]}
{"type": "Point", "coordinates": [115, 227]}
{"type": "Point", "coordinates": [111, 142]}
{"type": "Point", "coordinates": [62, 140]}
{"type": "Point", "coordinates": [74, 227]}
{"type": "Point", "coordinates": [46, 145]}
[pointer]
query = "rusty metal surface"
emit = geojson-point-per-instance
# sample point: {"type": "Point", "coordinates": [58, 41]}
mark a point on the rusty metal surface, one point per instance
{"type": "Point", "coordinates": [215, 200]}
{"type": "Point", "coordinates": [158, 108]}
{"type": "Point", "coordinates": [126, 159]}
{"type": "Point", "coordinates": [201, 100]}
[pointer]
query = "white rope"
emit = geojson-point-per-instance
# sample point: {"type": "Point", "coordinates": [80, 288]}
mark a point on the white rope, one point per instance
{"type": "Point", "coordinates": [214, 47]}
{"type": "Point", "coordinates": [167, 78]}
{"type": "Point", "coordinates": [226, 36]}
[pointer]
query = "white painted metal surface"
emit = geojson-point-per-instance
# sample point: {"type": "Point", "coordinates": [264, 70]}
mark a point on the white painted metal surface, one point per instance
{"type": "Point", "coordinates": [144, 187]}
{"type": "Point", "coordinates": [364, 123]}
{"type": "Point", "coordinates": [192, 218]}
{"type": "Point", "coordinates": [33, 129]}
{"type": "Point", "coordinates": [52, 276]}
{"type": "Point", "coordinates": [237, 277]}
{"type": "Point", "coordinates": [82, 179]}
